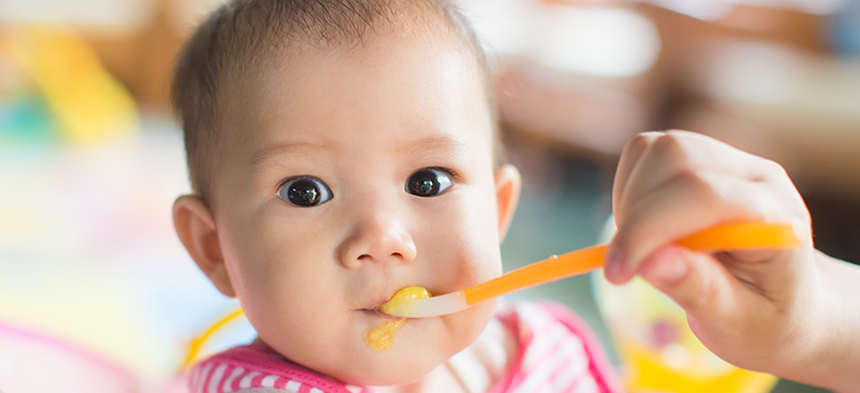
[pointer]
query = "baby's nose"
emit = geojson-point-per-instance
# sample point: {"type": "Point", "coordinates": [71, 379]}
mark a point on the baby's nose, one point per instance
{"type": "Point", "coordinates": [378, 238]}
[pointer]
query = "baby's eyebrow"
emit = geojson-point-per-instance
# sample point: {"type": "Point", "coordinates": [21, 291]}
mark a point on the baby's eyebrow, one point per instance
{"type": "Point", "coordinates": [279, 149]}
{"type": "Point", "coordinates": [436, 142]}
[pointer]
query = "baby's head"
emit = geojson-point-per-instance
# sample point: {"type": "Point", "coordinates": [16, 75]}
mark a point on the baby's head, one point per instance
{"type": "Point", "coordinates": [340, 151]}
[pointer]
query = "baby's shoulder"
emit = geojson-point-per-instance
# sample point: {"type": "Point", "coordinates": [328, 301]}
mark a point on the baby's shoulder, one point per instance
{"type": "Point", "coordinates": [545, 321]}
{"type": "Point", "coordinates": [556, 348]}
{"type": "Point", "coordinates": [257, 368]}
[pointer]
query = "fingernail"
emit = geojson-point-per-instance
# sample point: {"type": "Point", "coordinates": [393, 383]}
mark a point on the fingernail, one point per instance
{"type": "Point", "coordinates": [668, 271]}
{"type": "Point", "coordinates": [614, 264]}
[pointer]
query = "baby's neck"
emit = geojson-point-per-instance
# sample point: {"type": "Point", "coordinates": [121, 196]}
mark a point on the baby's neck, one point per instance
{"type": "Point", "coordinates": [475, 369]}
{"type": "Point", "coordinates": [441, 379]}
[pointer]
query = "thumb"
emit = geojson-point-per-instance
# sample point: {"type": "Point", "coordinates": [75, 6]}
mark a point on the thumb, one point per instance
{"type": "Point", "coordinates": [698, 282]}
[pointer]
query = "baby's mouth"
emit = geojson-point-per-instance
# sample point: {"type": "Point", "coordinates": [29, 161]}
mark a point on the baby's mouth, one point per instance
{"type": "Point", "coordinates": [401, 298]}
{"type": "Point", "coordinates": [374, 312]}
{"type": "Point", "coordinates": [381, 337]}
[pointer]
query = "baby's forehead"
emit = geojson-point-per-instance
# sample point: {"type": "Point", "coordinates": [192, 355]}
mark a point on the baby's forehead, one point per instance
{"type": "Point", "coordinates": [291, 67]}
{"type": "Point", "coordinates": [284, 56]}
{"type": "Point", "coordinates": [299, 94]}
{"type": "Point", "coordinates": [310, 79]}
{"type": "Point", "coordinates": [257, 32]}
{"type": "Point", "coordinates": [395, 92]}
{"type": "Point", "coordinates": [280, 53]}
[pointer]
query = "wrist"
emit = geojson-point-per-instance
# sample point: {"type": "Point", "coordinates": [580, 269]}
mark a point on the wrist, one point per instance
{"type": "Point", "coordinates": [829, 353]}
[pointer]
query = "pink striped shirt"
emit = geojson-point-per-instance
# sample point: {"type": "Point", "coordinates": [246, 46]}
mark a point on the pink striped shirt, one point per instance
{"type": "Point", "coordinates": [554, 353]}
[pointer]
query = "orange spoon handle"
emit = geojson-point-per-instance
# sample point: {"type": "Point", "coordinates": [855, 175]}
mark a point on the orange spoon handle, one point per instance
{"type": "Point", "coordinates": [742, 235]}
{"type": "Point", "coordinates": [550, 269]}
{"type": "Point", "coordinates": [722, 237]}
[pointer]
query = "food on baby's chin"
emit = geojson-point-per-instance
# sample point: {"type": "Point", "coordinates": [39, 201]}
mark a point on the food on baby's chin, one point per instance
{"type": "Point", "coordinates": [381, 338]}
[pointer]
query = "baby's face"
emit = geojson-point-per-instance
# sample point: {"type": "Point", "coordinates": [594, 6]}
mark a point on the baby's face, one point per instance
{"type": "Point", "coordinates": [350, 175]}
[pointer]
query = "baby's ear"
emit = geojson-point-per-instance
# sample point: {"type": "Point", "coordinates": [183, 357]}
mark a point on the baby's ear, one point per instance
{"type": "Point", "coordinates": [508, 186]}
{"type": "Point", "coordinates": [196, 228]}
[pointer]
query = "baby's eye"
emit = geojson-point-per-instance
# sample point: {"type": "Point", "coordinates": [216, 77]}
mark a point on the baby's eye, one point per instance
{"type": "Point", "coordinates": [428, 182]}
{"type": "Point", "coordinates": [305, 192]}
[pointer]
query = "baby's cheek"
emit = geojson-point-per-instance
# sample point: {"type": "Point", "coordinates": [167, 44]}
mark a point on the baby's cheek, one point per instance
{"type": "Point", "coordinates": [470, 260]}
{"type": "Point", "coordinates": [471, 323]}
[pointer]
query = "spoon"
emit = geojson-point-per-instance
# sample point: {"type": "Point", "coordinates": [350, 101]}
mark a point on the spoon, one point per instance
{"type": "Point", "coordinates": [733, 236]}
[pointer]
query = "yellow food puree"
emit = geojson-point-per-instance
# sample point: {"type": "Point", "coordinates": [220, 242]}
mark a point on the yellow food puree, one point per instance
{"type": "Point", "coordinates": [381, 338]}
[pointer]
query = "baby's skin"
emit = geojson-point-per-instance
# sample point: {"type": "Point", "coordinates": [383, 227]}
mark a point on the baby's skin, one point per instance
{"type": "Point", "coordinates": [793, 313]}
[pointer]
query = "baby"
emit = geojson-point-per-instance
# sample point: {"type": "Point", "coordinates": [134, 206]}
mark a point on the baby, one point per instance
{"type": "Point", "coordinates": [342, 150]}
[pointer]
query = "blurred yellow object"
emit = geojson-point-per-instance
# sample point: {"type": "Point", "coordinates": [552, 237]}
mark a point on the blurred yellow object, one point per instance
{"type": "Point", "coordinates": [197, 343]}
{"type": "Point", "coordinates": [89, 103]}
{"type": "Point", "coordinates": [649, 371]}
{"type": "Point", "coordinates": [657, 348]}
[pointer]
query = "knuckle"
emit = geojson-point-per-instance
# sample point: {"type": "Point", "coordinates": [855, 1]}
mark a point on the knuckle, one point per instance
{"type": "Point", "coordinates": [672, 147]}
{"type": "Point", "coordinates": [640, 142]}
{"type": "Point", "coordinates": [773, 169]}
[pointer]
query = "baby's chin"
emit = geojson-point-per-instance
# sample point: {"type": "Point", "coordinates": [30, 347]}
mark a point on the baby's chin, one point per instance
{"type": "Point", "coordinates": [420, 346]}
{"type": "Point", "coordinates": [410, 360]}
{"type": "Point", "coordinates": [390, 373]}
{"type": "Point", "coordinates": [418, 352]}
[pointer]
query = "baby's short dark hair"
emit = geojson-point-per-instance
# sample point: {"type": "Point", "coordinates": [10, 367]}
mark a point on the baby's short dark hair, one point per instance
{"type": "Point", "coordinates": [242, 35]}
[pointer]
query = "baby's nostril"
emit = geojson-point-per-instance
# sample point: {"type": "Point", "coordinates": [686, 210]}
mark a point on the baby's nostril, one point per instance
{"type": "Point", "coordinates": [370, 257]}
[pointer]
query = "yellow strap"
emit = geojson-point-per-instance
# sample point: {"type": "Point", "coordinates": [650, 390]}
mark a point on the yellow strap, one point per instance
{"type": "Point", "coordinates": [197, 343]}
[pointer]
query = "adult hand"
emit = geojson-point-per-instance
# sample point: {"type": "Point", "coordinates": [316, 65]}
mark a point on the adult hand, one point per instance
{"type": "Point", "coordinates": [765, 310]}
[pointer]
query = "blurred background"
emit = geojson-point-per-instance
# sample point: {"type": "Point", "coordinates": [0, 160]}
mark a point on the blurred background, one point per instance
{"type": "Point", "coordinates": [91, 159]}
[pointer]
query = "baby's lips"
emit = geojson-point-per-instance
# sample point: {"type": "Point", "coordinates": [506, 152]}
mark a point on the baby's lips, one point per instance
{"type": "Point", "coordinates": [380, 314]}
{"type": "Point", "coordinates": [383, 297]}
